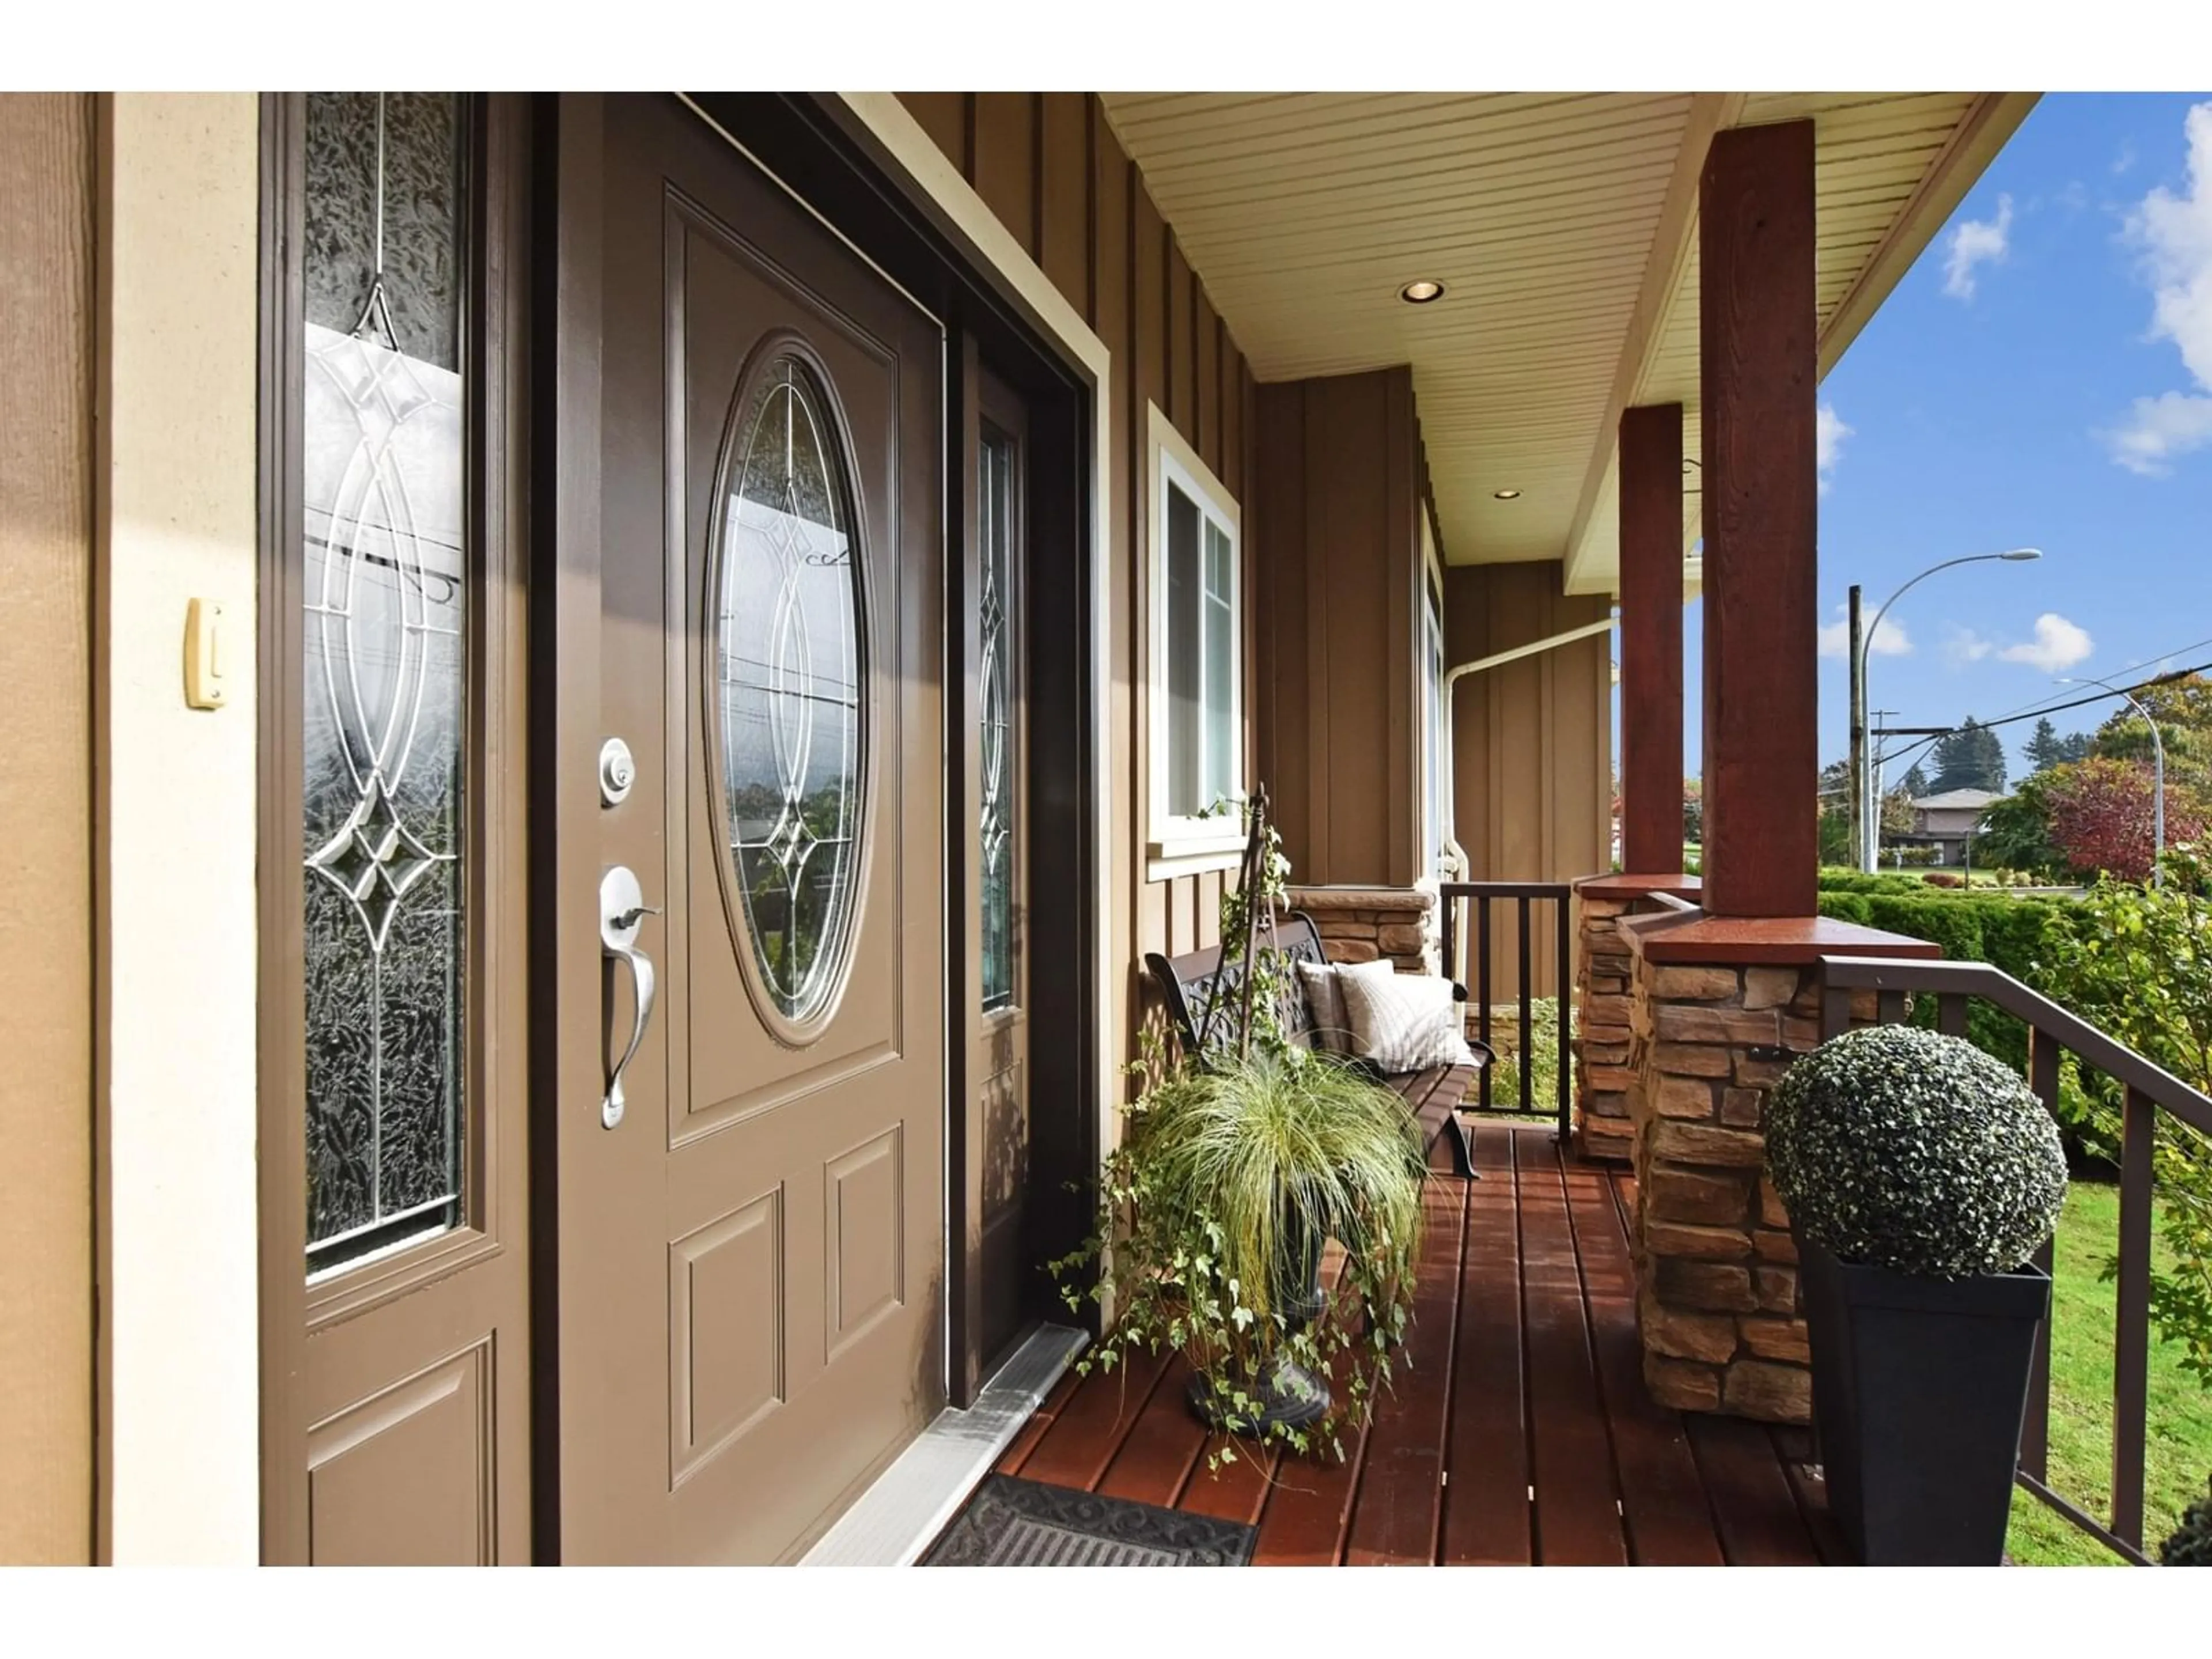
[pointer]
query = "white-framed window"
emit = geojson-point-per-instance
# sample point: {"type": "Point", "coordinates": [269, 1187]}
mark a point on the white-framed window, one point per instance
{"type": "Point", "coordinates": [1197, 659]}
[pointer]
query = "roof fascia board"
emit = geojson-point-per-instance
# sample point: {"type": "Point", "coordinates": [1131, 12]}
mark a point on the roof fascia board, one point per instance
{"type": "Point", "coordinates": [1974, 142]}
{"type": "Point", "coordinates": [1664, 267]}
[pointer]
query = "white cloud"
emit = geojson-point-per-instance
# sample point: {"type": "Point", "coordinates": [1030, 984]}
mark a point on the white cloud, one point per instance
{"type": "Point", "coordinates": [2059, 644]}
{"type": "Point", "coordinates": [1828, 434]}
{"type": "Point", "coordinates": [2175, 233]}
{"type": "Point", "coordinates": [1975, 242]}
{"type": "Point", "coordinates": [2125, 159]}
{"type": "Point", "coordinates": [2173, 424]}
{"type": "Point", "coordinates": [1963, 645]}
{"type": "Point", "coordinates": [1889, 639]}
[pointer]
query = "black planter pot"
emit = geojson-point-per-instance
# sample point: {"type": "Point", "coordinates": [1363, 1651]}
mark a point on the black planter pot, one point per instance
{"type": "Point", "coordinates": [1285, 1394]}
{"type": "Point", "coordinates": [1919, 1389]}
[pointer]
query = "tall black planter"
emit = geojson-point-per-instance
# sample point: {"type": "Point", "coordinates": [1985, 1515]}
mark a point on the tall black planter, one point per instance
{"type": "Point", "coordinates": [1919, 1390]}
{"type": "Point", "coordinates": [1286, 1394]}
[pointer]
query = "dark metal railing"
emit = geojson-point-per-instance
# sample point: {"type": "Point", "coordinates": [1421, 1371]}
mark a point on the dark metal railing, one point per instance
{"type": "Point", "coordinates": [2148, 1090]}
{"type": "Point", "coordinates": [1524, 897]}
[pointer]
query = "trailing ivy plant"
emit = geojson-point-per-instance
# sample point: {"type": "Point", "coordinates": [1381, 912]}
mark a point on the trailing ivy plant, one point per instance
{"type": "Point", "coordinates": [1229, 1172]}
{"type": "Point", "coordinates": [2137, 962]}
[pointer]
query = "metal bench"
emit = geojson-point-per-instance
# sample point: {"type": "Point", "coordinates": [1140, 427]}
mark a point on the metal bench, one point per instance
{"type": "Point", "coordinates": [1190, 982]}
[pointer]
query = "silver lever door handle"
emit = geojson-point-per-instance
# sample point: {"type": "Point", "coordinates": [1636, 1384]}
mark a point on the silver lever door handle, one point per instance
{"type": "Point", "coordinates": [622, 907]}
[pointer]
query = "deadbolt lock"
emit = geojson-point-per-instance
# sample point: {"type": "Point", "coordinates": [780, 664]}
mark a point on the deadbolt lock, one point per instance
{"type": "Point", "coordinates": [617, 772]}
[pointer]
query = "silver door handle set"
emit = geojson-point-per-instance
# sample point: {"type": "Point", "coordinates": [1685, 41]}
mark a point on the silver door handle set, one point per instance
{"type": "Point", "coordinates": [622, 908]}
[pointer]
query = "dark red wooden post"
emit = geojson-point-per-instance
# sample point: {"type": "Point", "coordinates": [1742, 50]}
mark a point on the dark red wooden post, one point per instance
{"type": "Point", "coordinates": [1651, 640]}
{"type": "Point", "coordinates": [1759, 379]}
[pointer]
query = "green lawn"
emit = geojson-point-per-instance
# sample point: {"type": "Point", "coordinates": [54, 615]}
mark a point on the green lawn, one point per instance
{"type": "Point", "coordinates": [1544, 1056]}
{"type": "Point", "coordinates": [2180, 1450]}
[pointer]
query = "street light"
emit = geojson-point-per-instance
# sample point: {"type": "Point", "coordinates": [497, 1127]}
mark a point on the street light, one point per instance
{"type": "Point", "coordinates": [1869, 808]}
{"type": "Point", "coordinates": [2158, 770]}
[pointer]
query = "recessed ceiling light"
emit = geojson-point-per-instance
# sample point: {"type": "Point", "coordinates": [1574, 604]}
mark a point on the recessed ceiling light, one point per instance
{"type": "Point", "coordinates": [1507, 494]}
{"type": "Point", "coordinates": [1420, 293]}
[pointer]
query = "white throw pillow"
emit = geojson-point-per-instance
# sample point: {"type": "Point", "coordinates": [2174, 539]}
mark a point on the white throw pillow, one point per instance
{"type": "Point", "coordinates": [1406, 1022]}
{"type": "Point", "coordinates": [1324, 989]}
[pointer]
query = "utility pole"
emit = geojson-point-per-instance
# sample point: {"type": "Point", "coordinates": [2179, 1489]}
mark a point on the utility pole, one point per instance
{"type": "Point", "coordinates": [1875, 736]}
{"type": "Point", "coordinates": [1858, 739]}
{"type": "Point", "coordinates": [1859, 657]}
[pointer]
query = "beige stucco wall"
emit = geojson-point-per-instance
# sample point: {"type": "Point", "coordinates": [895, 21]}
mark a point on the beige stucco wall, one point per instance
{"type": "Point", "coordinates": [174, 471]}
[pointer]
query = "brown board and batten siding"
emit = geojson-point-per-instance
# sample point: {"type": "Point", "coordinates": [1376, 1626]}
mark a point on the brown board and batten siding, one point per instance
{"type": "Point", "coordinates": [1531, 739]}
{"type": "Point", "coordinates": [1339, 575]}
{"type": "Point", "coordinates": [1050, 168]}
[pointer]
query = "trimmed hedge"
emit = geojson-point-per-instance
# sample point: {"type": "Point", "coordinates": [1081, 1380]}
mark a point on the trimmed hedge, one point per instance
{"type": "Point", "coordinates": [1843, 880]}
{"type": "Point", "coordinates": [2006, 931]}
{"type": "Point", "coordinates": [2010, 933]}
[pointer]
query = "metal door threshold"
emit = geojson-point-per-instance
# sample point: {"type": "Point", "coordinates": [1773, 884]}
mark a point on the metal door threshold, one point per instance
{"type": "Point", "coordinates": [894, 1520]}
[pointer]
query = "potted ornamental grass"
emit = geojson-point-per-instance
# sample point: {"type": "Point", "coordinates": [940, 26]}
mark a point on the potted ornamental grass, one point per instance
{"type": "Point", "coordinates": [1234, 1169]}
{"type": "Point", "coordinates": [1230, 1177]}
{"type": "Point", "coordinates": [1921, 1176]}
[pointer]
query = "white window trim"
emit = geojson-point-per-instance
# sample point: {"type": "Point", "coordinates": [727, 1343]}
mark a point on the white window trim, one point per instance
{"type": "Point", "coordinates": [1185, 846]}
{"type": "Point", "coordinates": [1435, 828]}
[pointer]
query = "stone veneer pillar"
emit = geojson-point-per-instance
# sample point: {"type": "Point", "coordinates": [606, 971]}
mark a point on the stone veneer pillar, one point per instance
{"type": "Point", "coordinates": [1720, 1006]}
{"type": "Point", "coordinates": [1366, 924]}
{"type": "Point", "coordinates": [1604, 999]}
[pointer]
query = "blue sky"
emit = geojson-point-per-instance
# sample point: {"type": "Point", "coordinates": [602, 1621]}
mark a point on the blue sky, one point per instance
{"type": "Point", "coordinates": [1992, 403]}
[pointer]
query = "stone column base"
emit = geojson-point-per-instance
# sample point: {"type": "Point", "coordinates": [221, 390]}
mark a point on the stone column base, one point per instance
{"type": "Point", "coordinates": [1718, 1012]}
{"type": "Point", "coordinates": [1368, 923]}
{"type": "Point", "coordinates": [1604, 1077]}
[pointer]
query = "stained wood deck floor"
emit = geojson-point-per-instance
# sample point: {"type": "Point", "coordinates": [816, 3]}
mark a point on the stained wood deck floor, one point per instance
{"type": "Point", "coordinates": [1520, 1434]}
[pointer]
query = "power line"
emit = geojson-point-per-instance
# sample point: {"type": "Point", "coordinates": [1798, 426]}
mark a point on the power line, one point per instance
{"type": "Point", "coordinates": [2078, 702]}
{"type": "Point", "coordinates": [1917, 749]}
{"type": "Point", "coordinates": [2033, 709]}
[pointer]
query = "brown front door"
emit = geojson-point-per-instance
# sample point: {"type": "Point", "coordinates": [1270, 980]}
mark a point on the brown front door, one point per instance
{"type": "Point", "coordinates": [751, 1251]}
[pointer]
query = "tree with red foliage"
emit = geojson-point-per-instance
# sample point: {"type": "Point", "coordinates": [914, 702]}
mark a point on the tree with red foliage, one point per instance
{"type": "Point", "coordinates": [2102, 817]}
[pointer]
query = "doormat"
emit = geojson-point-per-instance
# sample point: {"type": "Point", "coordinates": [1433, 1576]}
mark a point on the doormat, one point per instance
{"type": "Point", "coordinates": [1013, 1522]}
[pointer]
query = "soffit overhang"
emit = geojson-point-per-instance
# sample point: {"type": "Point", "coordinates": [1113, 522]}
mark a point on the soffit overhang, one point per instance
{"type": "Point", "coordinates": [1563, 227]}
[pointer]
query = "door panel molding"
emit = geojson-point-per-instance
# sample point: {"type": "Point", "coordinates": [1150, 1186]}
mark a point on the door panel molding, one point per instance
{"type": "Point", "coordinates": [869, 1220]}
{"type": "Point", "coordinates": [756, 1227]}
{"type": "Point", "coordinates": [699, 1121]}
{"type": "Point", "coordinates": [440, 1428]}
{"type": "Point", "coordinates": [761, 360]}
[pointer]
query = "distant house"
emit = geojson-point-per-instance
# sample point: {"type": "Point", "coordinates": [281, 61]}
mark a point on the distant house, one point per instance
{"type": "Point", "coordinates": [1945, 821]}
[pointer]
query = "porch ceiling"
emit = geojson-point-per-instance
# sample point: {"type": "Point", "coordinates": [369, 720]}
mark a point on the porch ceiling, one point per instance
{"type": "Point", "coordinates": [1563, 227]}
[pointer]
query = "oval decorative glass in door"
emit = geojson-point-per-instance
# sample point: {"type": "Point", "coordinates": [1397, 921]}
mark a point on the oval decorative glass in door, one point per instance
{"type": "Point", "coordinates": [790, 667]}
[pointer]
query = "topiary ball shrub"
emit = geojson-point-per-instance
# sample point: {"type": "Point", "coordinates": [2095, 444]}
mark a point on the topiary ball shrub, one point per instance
{"type": "Point", "coordinates": [1901, 1148]}
{"type": "Point", "coordinates": [2190, 1544]}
